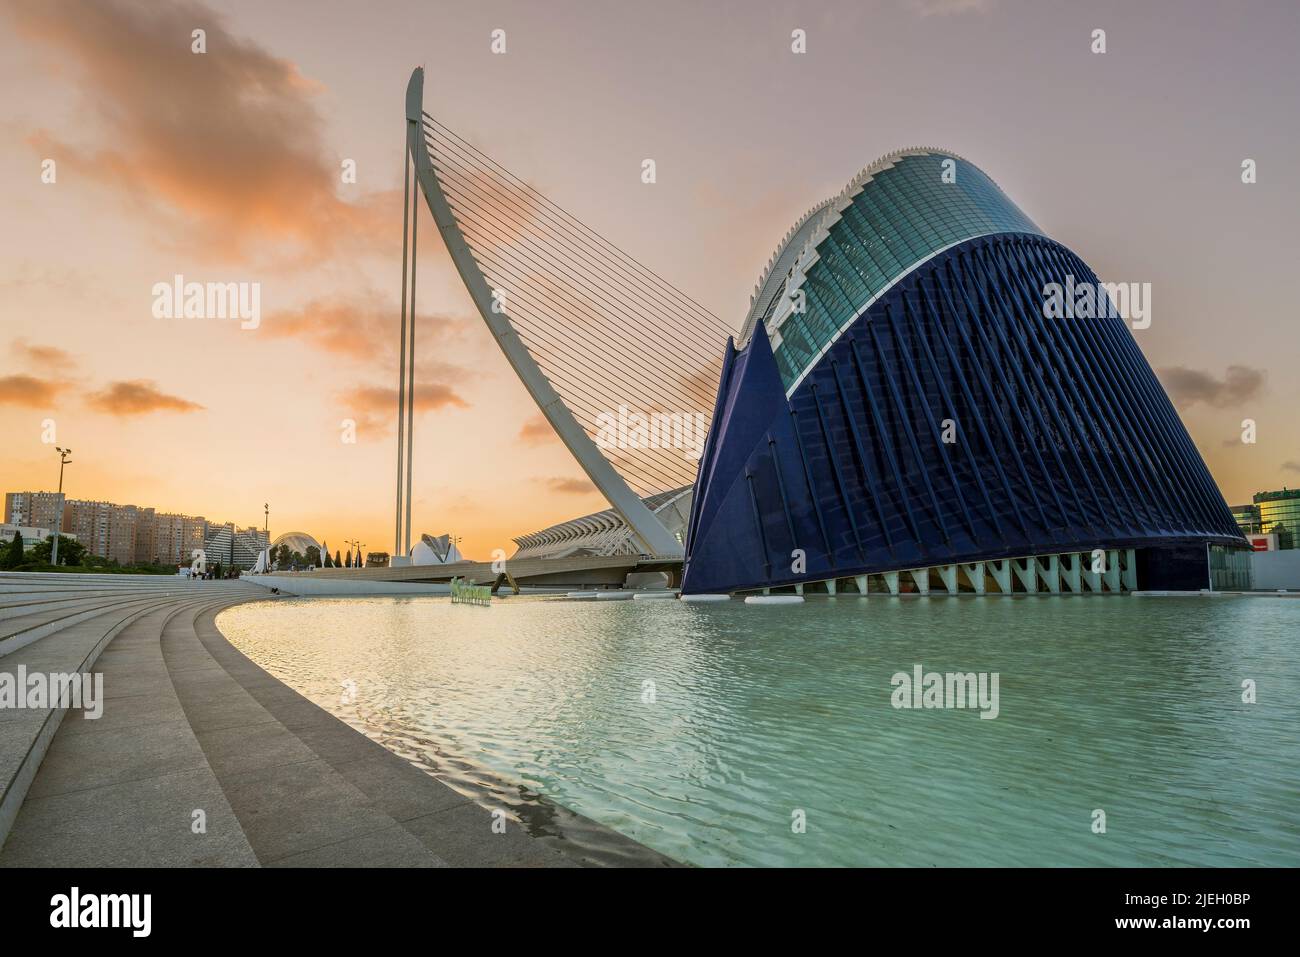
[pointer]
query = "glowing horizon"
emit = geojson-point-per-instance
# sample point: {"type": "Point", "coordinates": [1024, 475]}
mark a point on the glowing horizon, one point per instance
{"type": "Point", "coordinates": [231, 166]}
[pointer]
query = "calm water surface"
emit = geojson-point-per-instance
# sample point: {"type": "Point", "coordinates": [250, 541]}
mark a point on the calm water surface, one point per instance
{"type": "Point", "coordinates": [1129, 705]}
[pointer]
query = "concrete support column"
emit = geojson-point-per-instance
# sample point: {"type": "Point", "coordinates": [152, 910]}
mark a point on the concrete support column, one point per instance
{"type": "Point", "coordinates": [1129, 574]}
{"type": "Point", "coordinates": [1028, 576]}
{"type": "Point", "coordinates": [1091, 578]}
{"type": "Point", "coordinates": [975, 575]}
{"type": "Point", "coordinates": [949, 575]}
{"type": "Point", "coordinates": [830, 586]}
{"type": "Point", "coordinates": [861, 581]}
{"type": "Point", "coordinates": [1049, 570]}
{"type": "Point", "coordinates": [798, 589]}
{"type": "Point", "coordinates": [922, 579]}
{"type": "Point", "coordinates": [1002, 575]}
{"type": "Point", "coordinates": [1112, 571]}
{"type": "Point", "coordinates": [1070, 572]}
{"type": "Point", "coordinates": [891, 579]}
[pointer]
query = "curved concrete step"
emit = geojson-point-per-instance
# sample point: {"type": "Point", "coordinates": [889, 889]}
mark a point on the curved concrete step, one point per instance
{"type": "Point", "coordinates": [118, 773]}
{"type": "Point", "coordinates": [25, 733]}
{"type": "Point", "coordinates": [11, 587]}
{"type": "Point", "coordinates": [14, 585]}
{"type": "Point", "coordinates": [29, 603]}
{"type": "Point", "coordinates": [21, 631]}
{"type": "Point", "coordinates": [74, 578]}
{"type": "Point", "coordinates": [25, 619]}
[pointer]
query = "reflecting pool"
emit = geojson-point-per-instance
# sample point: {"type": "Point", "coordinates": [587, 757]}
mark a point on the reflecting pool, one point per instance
{"type": "Point", "coordinates": [743, 735]}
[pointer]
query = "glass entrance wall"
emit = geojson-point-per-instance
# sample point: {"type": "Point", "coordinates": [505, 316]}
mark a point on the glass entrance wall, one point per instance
{"type": "Point", "coordinates": [1230, 568]}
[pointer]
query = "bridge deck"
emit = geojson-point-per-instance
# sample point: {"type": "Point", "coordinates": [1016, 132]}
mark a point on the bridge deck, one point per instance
{"type": "Point", "coordinates": [597, 569]}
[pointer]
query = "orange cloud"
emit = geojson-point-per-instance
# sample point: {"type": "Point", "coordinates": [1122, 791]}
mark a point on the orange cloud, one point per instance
{"type": "Point", "coordinates": [365, 332]}
{"type": "Point", "coordinates": [28, 390]}
{"type": "Point", "coordinates": [225, 146]}
{"type": "Point", "coordinates": [375, 408]}
{"type": "Point", "coordinates": [138, 397]}
{"type": "Point", "coordinates": [570, 486]}
{"type": "Point", "coordinates": [51, 357]}
{"type": "Point", "coordinates": [537, 431]}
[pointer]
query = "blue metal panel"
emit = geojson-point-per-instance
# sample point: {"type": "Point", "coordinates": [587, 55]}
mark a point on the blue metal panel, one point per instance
{"type": "Point", "coordinates": [1079, 444]}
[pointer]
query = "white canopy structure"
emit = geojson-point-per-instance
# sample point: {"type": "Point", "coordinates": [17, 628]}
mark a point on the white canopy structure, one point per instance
{"type": "Point", "coordinates": [435, 550]}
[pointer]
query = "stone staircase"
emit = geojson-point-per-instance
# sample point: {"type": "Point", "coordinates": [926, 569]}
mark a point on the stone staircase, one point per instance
{"type": "Point", "coordinates": [62, 624]}
{"type": "Point", "coordinates": [201, 758]}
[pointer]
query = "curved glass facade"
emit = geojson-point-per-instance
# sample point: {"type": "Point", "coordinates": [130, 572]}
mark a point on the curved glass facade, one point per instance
{"type": "Point", "coordinates": [899, 215]}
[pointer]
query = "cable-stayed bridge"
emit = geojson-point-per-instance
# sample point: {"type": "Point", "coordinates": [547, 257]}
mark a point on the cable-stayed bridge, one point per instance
{"type": "Point", "coordinates": [591, 332]}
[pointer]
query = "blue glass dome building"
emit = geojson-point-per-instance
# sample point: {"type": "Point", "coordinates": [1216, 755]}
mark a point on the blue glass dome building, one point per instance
{"type": "Point", "coordinates": [902, 414]}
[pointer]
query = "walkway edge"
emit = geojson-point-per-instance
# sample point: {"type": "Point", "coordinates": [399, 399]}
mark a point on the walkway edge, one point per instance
{"type": "Point", "coordinates": [572, 837]}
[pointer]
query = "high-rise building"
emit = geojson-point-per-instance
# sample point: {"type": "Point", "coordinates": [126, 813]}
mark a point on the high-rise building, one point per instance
{"type": "Point", "coordinates": [1279, 514]}
{"type": "Point", "coordinates": [92, 523]}
{"type": "Point", "coordinates": [176, 537]}
{"type": "Point", "coordinates": [123, 528]}
{"type": "Point", "coordinates": [40, 509]}
{"type": "Point", "coordinates": [123, 533]}
{"type": "Point", "coordinates": [144, 534]}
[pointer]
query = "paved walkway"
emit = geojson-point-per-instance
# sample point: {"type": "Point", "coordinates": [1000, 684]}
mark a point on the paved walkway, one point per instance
{"type": "Point", "coordinates": [201, 758]}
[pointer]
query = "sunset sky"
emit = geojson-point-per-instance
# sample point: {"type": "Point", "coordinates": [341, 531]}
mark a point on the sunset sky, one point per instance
{"type": "Point", "coordinates": [226, 166]}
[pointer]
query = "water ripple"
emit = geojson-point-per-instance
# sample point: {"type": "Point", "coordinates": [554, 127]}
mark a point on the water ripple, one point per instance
{"type": "Point", "coordinates": [701, 731]}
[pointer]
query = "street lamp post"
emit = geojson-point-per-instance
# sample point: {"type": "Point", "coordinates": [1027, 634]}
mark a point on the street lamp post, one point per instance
{"type": "Point", "coordinates": [266, 532]}
{"type": "Point", "coordinates": [58, 521]}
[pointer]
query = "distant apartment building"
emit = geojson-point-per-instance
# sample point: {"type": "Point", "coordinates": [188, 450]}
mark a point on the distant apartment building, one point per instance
{"type": "Point", "coordinates": [34, 509]}
{"type": "Point", "coordinates": [122, 533]}
{"type": "Point", "coordinates": [129, 527]}
{"type": "Point", "coordinates": [90, 522]}
{"type": "Point", "coordinates": [129, 533]}
{"type": "Point", "coordinates": [176, 537]}
{"type": "Point", "coordinates": [144, 533]}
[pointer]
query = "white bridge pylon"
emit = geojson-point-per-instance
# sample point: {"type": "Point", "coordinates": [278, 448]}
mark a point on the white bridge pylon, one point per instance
{"type": "Point", "coordinates": [651, 532]}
